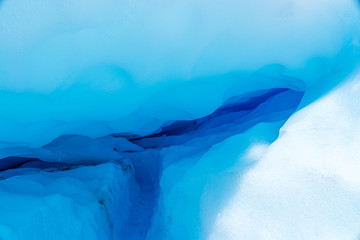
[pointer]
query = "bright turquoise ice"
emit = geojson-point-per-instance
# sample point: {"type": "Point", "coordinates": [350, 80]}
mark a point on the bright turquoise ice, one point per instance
{"type": "Point", "coordinates": [165, 97]}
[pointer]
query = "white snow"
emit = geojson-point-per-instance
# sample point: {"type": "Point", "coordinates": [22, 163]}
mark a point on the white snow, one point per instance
{"type": "Point", "coordinates": [307, 185]}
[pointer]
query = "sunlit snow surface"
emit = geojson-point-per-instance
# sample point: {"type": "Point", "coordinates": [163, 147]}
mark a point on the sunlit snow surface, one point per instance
{"type": "Point", "coordinates": [166, 120]}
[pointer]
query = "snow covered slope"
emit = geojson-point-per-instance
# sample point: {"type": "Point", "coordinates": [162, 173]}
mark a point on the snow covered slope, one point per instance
{"type": "Point", "coordinates": [306, 185]}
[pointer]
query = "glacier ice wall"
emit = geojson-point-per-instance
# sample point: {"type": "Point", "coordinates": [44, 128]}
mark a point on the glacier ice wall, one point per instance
{"type": "Point", "coordinates": [64, 204]}
{"type": "Point", "coordinates": [161, 119]}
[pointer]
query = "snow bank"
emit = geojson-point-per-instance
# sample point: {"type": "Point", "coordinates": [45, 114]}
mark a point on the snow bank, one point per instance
{"type": "Point", "coordinates": [306, 185]}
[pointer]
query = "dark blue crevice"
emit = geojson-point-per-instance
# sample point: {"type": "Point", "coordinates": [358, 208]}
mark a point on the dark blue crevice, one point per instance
{"type": "Point", "coordinates": [235, 116]}
{"type": "Point", "coordinates": [13, 162]}
{"type": "Point", "coordinates": [234, 105]}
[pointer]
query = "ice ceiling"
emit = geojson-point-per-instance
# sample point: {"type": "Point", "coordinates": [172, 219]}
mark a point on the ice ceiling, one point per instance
{"type": "Point", "coordinates": [123, 119]}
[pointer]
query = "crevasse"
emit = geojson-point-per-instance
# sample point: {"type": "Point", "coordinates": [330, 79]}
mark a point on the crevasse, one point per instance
{"type": "Point", "coordinates": [179, 120]}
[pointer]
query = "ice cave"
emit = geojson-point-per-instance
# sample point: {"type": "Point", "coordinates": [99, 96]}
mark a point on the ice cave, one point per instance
{"type": "Point", "coordinates": [179, 120]}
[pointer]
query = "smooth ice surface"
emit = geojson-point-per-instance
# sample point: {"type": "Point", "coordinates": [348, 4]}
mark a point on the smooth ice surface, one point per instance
{"type": "Point", "coordinates": [98, 67]}
{"type": "Point", "coordinates": [159, 119]}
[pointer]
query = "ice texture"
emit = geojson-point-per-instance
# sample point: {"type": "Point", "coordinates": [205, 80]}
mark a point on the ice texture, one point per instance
{"type": "Point", "coordinates": [123, 119]}
{"type": "Point", "coordinates": [89, 202]}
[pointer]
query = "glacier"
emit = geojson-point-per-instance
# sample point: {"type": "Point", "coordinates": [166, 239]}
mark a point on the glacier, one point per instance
{"type": "Point", "coordinates": [172, 120]}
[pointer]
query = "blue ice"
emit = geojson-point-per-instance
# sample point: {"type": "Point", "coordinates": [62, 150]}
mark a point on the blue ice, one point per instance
{"type": "Point", "coordinates": [143, 119]}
